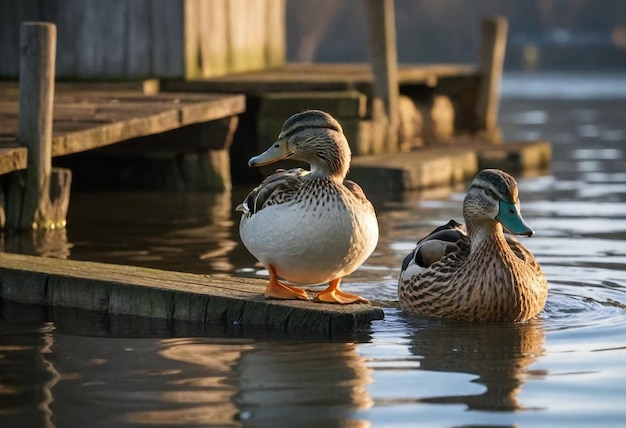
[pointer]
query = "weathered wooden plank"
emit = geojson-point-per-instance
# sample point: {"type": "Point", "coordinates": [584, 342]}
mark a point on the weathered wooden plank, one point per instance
{"type": "Point", "coordinates": [90, 113]}
{"type": "Point", "coordinates": [87, 40]}
{"type": "Point", "coordinates": [106, 38]}
{"type": "Point", "coordinates": [419, 73]}
{"type": "Point", "coordinates": [12, 158]}
{"type": "Point", "coordinates": [275, 34]}
{"type": "Point", "coordinates": [10, 89]}
{"type": "Point", "coordinates": [85, 120]}
{"type": "Point", "coordinates": [176, 296]}
{"type": "Point", "coordinates": [188, 109]}
{"type": "Point", "coordinates": [112, 38]}
{"type": "Point", "coordinates": [446, 164]}
{"type": "Point", "coordinates": [10, 44]}
{"type": "Point", "coordinates": [342, 105]}
{"type": "Point", "coordinates": [420, 169]}
{"type": "Point", "coordinates": [115, 39]}
{"type": "Point", "coordinates": [252, 53]}
{"type": "Point", "coordinates": [167, 38]}
{"type": "Point", "coordinates": [213, 28]}
{"type": "Point", "coordinates": [68, 93]}
{"type": "Point", "coordinates": [347, 71]}
{"type": "Point", "coordinates": [11, 17]}
{"type": "Point", "coordinates": [217, 109]}
{"type": "Point", "coordinates": [69, 25]}
{"type": "Point", "coordinates": [138, 47]}
{"type": "Point", "coordinates": [192, 15]}
{"type": "Point", "coordinates": [245, 30]}
{"type": "Point", "coordinates": [314, 77]}
{"type": "Point", "coordinates": [516, 156]}
{"type": "Point", "coordinates": [236, 37]}
{"type": "Point", "coordinates": [99, 136]}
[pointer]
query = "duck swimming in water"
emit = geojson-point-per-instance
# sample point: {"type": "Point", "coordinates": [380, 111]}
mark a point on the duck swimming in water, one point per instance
{"type": "Point", "coordinates": [481, 275]}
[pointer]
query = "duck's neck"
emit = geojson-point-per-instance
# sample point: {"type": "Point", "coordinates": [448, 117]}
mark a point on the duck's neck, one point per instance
{"type": "Point", "coordinates": [331, 161]}
{"type": "Point", "coordinates": [336, 172]}
{"type": "Point", "coordinates": [486, 233]}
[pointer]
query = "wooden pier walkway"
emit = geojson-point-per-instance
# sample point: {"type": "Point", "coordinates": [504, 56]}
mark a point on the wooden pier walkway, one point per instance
{"type": "Point", "coordinates": [447, 164]}
{"type": "Point", "coordinates": [87, 117]}
{"type": "Point", "coordinates": [307, 77]}
{"type": "Point", "coordinates": [174, 296]}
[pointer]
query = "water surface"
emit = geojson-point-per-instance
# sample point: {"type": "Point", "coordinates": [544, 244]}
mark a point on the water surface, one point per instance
{"type": "Point", "coordinates": [567, 367]}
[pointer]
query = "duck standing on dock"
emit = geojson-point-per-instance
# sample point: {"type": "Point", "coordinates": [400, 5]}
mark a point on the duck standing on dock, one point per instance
{"type": "Point", "coordinates": [309, 227]}
{"type": "Point", "coordinates": [481, 275]}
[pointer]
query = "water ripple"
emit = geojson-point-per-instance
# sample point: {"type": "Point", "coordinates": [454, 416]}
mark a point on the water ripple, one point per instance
{"type": "Point", "coordinates": [579, 305]}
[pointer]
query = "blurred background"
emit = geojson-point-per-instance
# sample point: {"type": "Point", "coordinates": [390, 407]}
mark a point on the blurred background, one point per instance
{"type": "Point", "coordinates": [543, 34]}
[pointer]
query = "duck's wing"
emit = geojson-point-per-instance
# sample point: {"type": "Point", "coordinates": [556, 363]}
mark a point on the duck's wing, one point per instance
{"type": "Point", "coordinates": [450, 231]}
{"type": "Point", "coordinates": [356, 191]}
{"type": "Point", "coordinates": [277, 188]}
{"type": "Point", "coordinates": [444, 240]}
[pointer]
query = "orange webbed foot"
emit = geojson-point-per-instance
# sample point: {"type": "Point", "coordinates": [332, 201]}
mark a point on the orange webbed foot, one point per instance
{"type": "Point", "coordinates": [278, 290]}
{"type": "Point", "coordinates": [334, 295]}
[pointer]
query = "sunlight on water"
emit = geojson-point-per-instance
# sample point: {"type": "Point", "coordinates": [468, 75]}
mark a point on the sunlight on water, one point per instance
{"type": "Point", "coordinates": [609, 154]}
{"type": "Point", "coordinates": [532, 118]}
{"type": "Point", "coordinates": [566, 367]}
{"type": "Point", "coordinates": [572, 86]}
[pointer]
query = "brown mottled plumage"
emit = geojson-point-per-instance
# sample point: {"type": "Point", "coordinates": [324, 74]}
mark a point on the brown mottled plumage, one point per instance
{"type": "Point", "coordinates": [309, 227]}
{"type": "Point", "coordinates": [481, 275]}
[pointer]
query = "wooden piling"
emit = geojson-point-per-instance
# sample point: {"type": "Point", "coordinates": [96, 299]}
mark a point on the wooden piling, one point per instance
{"type": "Point", "coordinates": [382, 36]}
{"type": "Point", "coordinates": [492, 50]}
{"type": "Point", "coordinates": [41, 194]}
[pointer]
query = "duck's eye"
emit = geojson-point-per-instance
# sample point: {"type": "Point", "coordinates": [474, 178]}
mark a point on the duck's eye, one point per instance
{"type": "Point", "coordinates": [491, 193]}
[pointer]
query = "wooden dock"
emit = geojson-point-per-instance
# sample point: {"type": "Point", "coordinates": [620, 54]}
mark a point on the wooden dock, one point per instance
{"type": "Point", "coordinates": [323, 77]}
{"type": "Point", "coordinates": [446, 164]}
{"type": "Point", "coordinates": [174, 296]}
{"type": "Point", "coordinates": [196, 127]}
{"type": "Point", "coordinates": [87, 117]}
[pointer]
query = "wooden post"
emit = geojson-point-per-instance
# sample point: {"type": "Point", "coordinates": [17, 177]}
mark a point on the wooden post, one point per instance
{"type": "Point", "coordinates": [43, 203]}
{"type": "Point", "coordinates": [492, 50]}
{"type": "Point", "coordinates": [382, 32]}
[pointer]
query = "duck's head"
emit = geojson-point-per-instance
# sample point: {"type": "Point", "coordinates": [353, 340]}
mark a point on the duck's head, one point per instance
{"type": "Point", "coordinates": [491, 198]}
{"type": "Point", "coordinates": [312, 136]}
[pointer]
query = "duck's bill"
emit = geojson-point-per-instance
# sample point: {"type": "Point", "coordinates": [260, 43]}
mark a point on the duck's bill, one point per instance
{"type": "Point", "coordinates": [277, 151]}
{"type": "Point", "coordinates": [512, 220]}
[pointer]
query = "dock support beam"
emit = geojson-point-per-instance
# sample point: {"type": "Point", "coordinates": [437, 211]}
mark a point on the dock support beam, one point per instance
{"type": "Point", "coordinates": [382, 35]}
{"type": "Point", "coordinates": [492, 49]}
{"type": "Point", "coordinates": [39, 197]}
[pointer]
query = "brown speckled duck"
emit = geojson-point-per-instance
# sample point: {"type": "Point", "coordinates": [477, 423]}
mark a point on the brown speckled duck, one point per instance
{"type": "Point", "coordinates": [482, 275]}
{"type": "Point", "coordinates": [309, 227]}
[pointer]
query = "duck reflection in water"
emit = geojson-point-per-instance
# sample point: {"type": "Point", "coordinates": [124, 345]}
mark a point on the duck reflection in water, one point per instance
{"type": "Point", "coordinates": [300, 384]}
{"type": "Point", "coordinates": [498, 354]}
{"type": "Point", "coordinates": [243, 382]}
